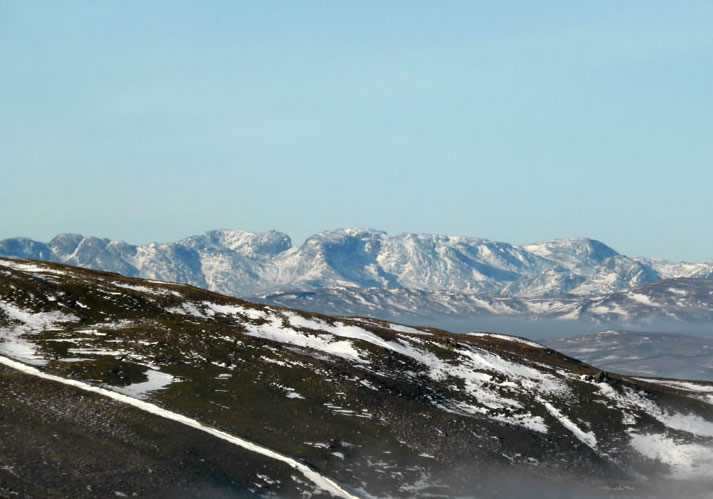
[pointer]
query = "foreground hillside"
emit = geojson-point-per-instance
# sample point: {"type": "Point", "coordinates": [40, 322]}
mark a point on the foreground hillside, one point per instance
{"type": "Point", "coordinates": [373, 407]}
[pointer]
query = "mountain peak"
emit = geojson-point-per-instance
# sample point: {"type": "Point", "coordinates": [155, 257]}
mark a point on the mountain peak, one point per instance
{"type": "Point", "coordinates": [250, 244]}
{"type": "Point", "coordinates": [573, 252]}
{"type": "Point", "coordinates": [347, 232]}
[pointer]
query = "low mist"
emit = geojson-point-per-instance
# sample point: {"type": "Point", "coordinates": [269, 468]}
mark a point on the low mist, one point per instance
{"type": "Point", "coordinates": [546, 329]}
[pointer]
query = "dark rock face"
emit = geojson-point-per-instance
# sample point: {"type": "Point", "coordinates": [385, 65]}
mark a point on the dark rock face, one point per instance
{"type": "Point", "coordinates": [600, 377]}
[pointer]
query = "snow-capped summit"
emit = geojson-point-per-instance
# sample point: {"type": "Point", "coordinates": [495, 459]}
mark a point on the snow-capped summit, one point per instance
{"type": "Point", "coordinates": [63, 245]}
{"type": "Point", "coordinates": [575, 254]}
{"type": "Point", "coordinates": [250, 244]}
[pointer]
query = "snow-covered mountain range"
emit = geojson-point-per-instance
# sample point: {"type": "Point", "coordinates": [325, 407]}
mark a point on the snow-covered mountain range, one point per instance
{"type": "Point", "coordinates": [244, 264]}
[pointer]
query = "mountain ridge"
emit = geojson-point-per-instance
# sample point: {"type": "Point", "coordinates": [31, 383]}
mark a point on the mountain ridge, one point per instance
{"type": "Point", "coordinates": [242, 264]}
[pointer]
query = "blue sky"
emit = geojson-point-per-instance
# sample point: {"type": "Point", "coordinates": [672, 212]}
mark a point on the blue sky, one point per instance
{"type": "Point", "coordinates": [515, 121]}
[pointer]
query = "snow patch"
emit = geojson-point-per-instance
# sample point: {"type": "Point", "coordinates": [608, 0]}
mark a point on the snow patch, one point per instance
{"type": "Point", "coordinates": [275, 330]}
{"type": "Point", "coordinates": [189, 309]}
{"type": "Point", "coordinates": [12, 342]}
{"type": "Point", "coordinates": [157, 380]}
{"type": "Point", "coordinates": [640, 298]}
{"type": "Point", "coordinates": [30, 267]}
{"type": "Point", "coordinates": [407, 329]}
{"type": "Point", "coordinates": [687, 461]}
{"type": "Point", "coordinates": [145, 289]}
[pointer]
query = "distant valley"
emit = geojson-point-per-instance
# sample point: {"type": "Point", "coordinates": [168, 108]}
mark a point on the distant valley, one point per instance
{"type": "Point", "coordinates": [662, 355]}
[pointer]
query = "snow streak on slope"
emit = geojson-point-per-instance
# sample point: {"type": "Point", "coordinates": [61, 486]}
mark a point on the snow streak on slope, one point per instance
{"type": "Point", "coordinates": [585, 437]}
{"type": "Point", "coordinates": [320, 481]}
{"type": "Point", "coordinates": [509, 338]}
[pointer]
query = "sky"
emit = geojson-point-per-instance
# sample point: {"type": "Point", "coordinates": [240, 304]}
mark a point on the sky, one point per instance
{"type": "Point", "coordinates": [516, 121]}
